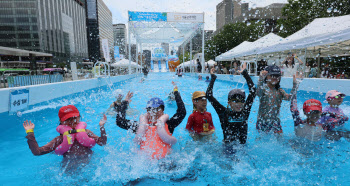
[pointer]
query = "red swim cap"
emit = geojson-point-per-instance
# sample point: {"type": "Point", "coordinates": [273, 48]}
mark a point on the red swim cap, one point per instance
{"type": "Point", "coordinates": [68, 111]}
{"type": "Point", "coordinates": [312, 104]}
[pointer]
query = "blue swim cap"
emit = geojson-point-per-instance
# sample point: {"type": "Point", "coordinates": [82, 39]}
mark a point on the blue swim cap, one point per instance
{"type": "Point", "coordinates": [154, 102]}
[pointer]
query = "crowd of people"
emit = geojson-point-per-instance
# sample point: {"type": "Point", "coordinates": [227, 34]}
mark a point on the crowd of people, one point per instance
{"type": "Point", "coordinates": [154, 130]}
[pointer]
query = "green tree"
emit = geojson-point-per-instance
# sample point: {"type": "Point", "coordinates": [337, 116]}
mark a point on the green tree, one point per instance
{"type": "Point", "coordinates": [298, 13]}
{"type": "Point", "coordinates": [232, 35]}
{"type": "Point", "coordinates": [187, 57]}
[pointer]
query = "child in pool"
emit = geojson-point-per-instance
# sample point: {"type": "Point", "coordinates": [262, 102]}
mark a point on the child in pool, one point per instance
{"type": "Point", "coordinates": [200, 77]}
{"type": "Point", "coordinates": [173, 122]}
{"type": "Point", "coordinates": [310, 128]}
{"type": "Point", "coordinates": [271, 96]}
{"type": "Point", "coordinates": [234, 117]}
{"type": "Point", "coordinates": [74, 142]}
{"type": "Point", "coordinates": [207, 80]}
{"type": "Point", "coordinates": [200, 123]}
{"type": "Point", "coordinates": [333, 117]}
{"type": "Point", "coordinates": [118, 94]}
{"type": "Point", "coordinates": [153, 133]}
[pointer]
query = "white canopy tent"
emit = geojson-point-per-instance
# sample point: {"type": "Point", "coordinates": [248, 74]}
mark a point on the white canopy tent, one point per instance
{"type": "Point", "coordinates": [227, 56]}
{"type": "Point", "coordinates": [330, 35]}
{"type": "Point", "coordinates": [210, 63]}
{"type": "Point", "coordinates": [250, 48]}
{"type": "Point", "coordinates": [124, 63]}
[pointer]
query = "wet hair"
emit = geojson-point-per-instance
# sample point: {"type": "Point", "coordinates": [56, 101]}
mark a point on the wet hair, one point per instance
{"type": "Point", "coordinates": [286, 63]}
{"type": "Point", "coordinates": [162, 107]}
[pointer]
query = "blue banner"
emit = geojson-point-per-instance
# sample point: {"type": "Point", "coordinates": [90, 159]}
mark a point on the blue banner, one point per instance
{"type": "Point", "coordinates": [116, 52]}
{"type": "Point", "coordinates": [148, 16]}
{"type": "Point", "coordinates": [152, 64]}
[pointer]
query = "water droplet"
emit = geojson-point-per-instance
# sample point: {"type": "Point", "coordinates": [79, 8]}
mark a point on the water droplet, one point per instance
{"type": "Point", "coordinates": [19, 114]}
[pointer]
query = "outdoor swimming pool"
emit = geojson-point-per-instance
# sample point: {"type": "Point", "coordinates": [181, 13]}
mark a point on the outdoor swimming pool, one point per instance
{"type": "Point", "coordinates": [262, 161]}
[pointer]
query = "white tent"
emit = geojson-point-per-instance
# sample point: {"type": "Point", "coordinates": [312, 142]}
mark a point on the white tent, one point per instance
{"type": "Point", "coordinates": [185, 64]}
{"type": "Point", "coordinates": [251, 48]}
{"type": "Point", "coordinates": [211, 63]}
{"type": "Point", "coordinates": [124, 63]}
{"type": "Point", "coordinates": [330, 35]}
{"type": "Point", "coordinates": [227, 56]}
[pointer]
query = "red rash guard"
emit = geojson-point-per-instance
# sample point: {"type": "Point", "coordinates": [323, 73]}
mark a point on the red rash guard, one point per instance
{"type": "Point", "coordinates": [200, 122]}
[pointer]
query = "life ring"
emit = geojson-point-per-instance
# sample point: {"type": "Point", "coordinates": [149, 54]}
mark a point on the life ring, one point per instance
{"type": "Point", "coordinates": [69, 136]}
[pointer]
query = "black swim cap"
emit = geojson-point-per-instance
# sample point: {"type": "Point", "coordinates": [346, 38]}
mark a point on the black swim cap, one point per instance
{"type": "Point", "coordinates": [236, 92]}
{"type": "Point", "coordinates": [273, 70]}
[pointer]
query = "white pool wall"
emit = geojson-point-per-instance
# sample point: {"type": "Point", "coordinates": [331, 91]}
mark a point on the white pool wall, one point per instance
{"type": "Point", "coordinates": [50, 91]}
{"type": "Point", "coordinates": [46, 92]}
{"type": "Point", "coordinates": [320, 85]}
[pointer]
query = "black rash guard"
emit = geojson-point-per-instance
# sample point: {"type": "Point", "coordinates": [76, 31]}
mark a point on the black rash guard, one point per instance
{"type": "Point", "coordinates": [173, 122]}
{"type": "Point", "coordinates": [234, 124]}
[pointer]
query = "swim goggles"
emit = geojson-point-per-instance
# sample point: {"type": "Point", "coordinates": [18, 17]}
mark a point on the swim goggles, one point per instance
{"type": "Point", "coordinates": [237, 100]}
{"type": "Point", "coordinates": [337, 96]}
{"type": "Point", "coordinates": [201, 98]}
{"type": "Point", "coordinates": [151, 109]}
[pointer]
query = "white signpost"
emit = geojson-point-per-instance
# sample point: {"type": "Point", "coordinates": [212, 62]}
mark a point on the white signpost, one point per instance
{"type": "Point", "coordinates": [73, 67]}
{"type": "Point", "coordinates": [19, 100]}
{"type": "Point", "coordinates": [105, 49]}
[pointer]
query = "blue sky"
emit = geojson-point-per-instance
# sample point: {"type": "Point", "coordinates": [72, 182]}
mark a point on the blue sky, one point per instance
{"type": "Point", "coordinates": [120, 8]}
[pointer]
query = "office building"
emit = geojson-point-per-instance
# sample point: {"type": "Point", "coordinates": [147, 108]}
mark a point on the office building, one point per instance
{"type": "Point", "coordinates": [99, 27]}
{"type": "Point", "coordinates": [119, 32]}
{"type": "Point", "coordinates": [52, 26]}
{"type": "Point", "coordinates": [233, 11]}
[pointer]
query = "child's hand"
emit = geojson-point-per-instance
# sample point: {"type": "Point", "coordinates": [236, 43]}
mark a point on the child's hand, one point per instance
{"type": "Point", "coordinates": [212, 70]}
{"type": "Point", "coordinates": [244, 66]}
{"type": "Point", "coordinates": [174, 84]}
{"type": "Point", "coordinates": [28, 125]}
{"type": "Point", "coordinates": [263, 73]}
{"type": "Point", "coordinates": [128, 96]}
{"type": "Point", "coordinates": [103, 120]}
{"type": "Point", "coordinates": [297, 77]}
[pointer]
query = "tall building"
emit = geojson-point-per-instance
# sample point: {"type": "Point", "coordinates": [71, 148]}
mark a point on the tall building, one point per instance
{"type": "Point", "coordinates": [99, 27]}
{"type": "Point", "coordinates": [119, 32]}
{"type": "Point", "coordinates": [197, 42]}
{"type": "Point", "coordinates": [51, 26]}
{"type": "Point", "coordinates": [233, 11]}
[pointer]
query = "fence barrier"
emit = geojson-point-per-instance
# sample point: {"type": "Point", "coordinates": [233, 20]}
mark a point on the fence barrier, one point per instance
{"type": "Point", "coordinates": [18, 81]}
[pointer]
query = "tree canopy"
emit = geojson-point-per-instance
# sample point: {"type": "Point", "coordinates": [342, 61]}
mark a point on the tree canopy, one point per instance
{"type": "Point", "coordinates": [298, 13]}
{"type": "Point", "coordinates": [232, 35]}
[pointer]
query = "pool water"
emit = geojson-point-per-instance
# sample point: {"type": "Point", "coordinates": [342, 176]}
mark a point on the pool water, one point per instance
{"type": "Point", "coordinates": [263, 160]}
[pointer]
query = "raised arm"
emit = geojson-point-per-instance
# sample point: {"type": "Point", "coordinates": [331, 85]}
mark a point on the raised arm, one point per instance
{"type": "Point", "coordinates": [252, 91]}
{"type": "Point", "coordinates": [33, 144]}
{"type": "Point", "coordinates": [180, 114]}
{"type": "Point", "coordinates": [121, 120]}
{"type": "Point", "coordinates": [260, 87]}
{"type": "Point", "coordinates": [209, 94]}
{"type": "Point", "coordinates": [103, 139]}
{"type": "Point", "coordinates": [288, 97]}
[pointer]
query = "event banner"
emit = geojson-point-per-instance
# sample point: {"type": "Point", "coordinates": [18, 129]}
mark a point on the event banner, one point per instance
{"type": "Point", "coordinates": [105, 49]}
{"type": "Point", "coordinates": [184, 17]}
{"type": "Point", "coordinates": [147, 16]}
{"type": "Point", "coordinates": [116, 52]}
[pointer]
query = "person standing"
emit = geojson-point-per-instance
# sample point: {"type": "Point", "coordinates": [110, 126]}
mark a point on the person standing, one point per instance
{"type": "Point", "coordinates": [199, 66]}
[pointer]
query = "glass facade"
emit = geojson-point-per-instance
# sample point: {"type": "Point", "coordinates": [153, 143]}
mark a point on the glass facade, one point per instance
{"type": "Point", "coordinates": [92, 29]}
{"type": "Point", "coordinates": [99, 26]}
{"type": "Point", "coordinates": [41, 25]}
{"type": "Point", "coordinates": [119, 32]}
{"type": "Point", "coordinates": [18, 25]}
